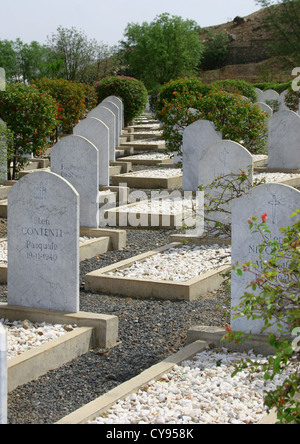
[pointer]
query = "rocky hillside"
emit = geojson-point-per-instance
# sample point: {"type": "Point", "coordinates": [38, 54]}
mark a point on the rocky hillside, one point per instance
{"type": "Point", "coordinates": [249, 57]}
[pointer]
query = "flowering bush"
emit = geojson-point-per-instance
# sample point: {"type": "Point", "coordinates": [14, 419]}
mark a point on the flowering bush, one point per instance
{"type": "Point", "coordinates": [237, 118]}
{"type": "Point", "coordinates": [237, 87]}
{"type": "Point", "coordinates": [182, 87]}
{"type": "Point", "coordinates": [70, 100]}
{"type": "Point", "coordinates": [276, 302]}
{"type": "Point", "coordinates": [31, 116]}
{"type": "Point", "coordinates": [131, 91]}
{"type": "Point", "coordinates": [90, 96]}
{"type": "Point", "coordinates": [292, 100]}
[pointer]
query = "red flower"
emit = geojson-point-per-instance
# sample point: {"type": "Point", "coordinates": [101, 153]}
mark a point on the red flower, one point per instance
{"type": "Point", "coordinates": [264, 217]}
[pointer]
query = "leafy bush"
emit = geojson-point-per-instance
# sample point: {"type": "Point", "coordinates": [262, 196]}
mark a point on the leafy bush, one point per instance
{"type": "Point", "coordinates": [131, 91]}
{"type": "Point", "coordinates": [292, 99]}
{"type": "Point", "coordinates": [182, 87]}
{"type": "Point", "coordinates": [70, 100]}
{"type": "Point", "coordinates": [215, 50]}
{"type": "Point", "coordinates": [276, 302]}
{"type": "Point", "coordinates": [90, 96]}
{"type": "Point", "coordinates": [237, 87]}
{"type": "Point", "coordinates": [279, 87]}
{"type": "Point", "coordinates": [31, 116]}
{"type": "Point", "coordinates": [237, 118]}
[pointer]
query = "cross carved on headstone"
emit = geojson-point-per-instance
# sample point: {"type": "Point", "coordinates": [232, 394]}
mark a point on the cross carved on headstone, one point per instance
{"type": "Point", "coordinates": [274, 204]}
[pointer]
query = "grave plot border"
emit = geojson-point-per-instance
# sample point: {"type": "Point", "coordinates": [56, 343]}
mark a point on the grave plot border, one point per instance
{"type": "Point", "coordinates": [94, 330]}
{"type": "Point", "coordinates": [99, 281]}
{"type": "Point", "coordinates": [150, 183]}
{"type": "Point", "coordinates": [119, 214]}
{"type": "Point", "coordinates": [148, 145]}
{"type": "Point", "coordinates": [148, 162]}
{"type": "Point", "coordinates": [102, 404]}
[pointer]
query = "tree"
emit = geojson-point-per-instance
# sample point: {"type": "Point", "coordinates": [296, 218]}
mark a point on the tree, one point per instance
{"type": "Point", "coordinates": [76, 58]}
{"type": "Point", "coordinates": [167, 48]}
{"type": "Point", "coordinates": [22, 61]}
{"type": "Point", "coordinates": [283, 20]}
{"type": "Point", "coordinates": [215, 50]}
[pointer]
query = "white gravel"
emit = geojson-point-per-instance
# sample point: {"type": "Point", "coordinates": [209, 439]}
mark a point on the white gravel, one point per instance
{"type": "Point", "coordinates": [199, 391]}
{"type": "Point", "coordinates": [24, 335]}
{"type": "Point", "coordinates": [150, 156]}
{"type": "Point", "coordinates": [275, 177]}
{"type": "Point", "coordinates": [163, 206]}
{"type": "Point", "coordinates": [161, 172]}
{"type": "Point", "coordinates": [177, 264]}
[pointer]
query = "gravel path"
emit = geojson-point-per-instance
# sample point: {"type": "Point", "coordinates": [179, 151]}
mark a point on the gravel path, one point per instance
{"type": "Point", "coordinates": [149, 331]}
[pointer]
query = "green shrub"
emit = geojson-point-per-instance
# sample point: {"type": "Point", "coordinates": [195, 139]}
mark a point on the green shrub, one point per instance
{"type": "Point", "coordinates": [279, 87]}
{"type": "Point", "coordinates": [131, 91]}
{"type": "Point", "coordinates": [90, 96]}
{"type": "Point", "coordinates": [237, 87]}
{"type": "Point", "coordinates": [292, 100]}
{"type": "Point", "coordinates": [70, 100]}
{"type": "Point", "coordinates": [181, 87]}
{"type": "Point", "coordinates": [31, 116]}
{"type": "Point", "coordinates": [237, 118]}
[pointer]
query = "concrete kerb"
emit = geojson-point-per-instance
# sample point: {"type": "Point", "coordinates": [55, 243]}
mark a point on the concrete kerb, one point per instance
{"type": "Point", "coordinates": [100, 281]}
{"type": "Point", "coordinates": [147, 162]}
{"type": "Point", "coordinates": [152, 183]}
{"type": "Point", "coordinates": [120, 217]}
{"type": "Point", "coordinates": [94, 330]}
{"type": "Point", "coordinates": [100, 405]}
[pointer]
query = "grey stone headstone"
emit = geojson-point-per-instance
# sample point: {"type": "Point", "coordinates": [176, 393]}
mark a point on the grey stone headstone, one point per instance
{"type": "Point", "coordinates": [260, 95]}
{"type": "Point", "coordinates": [108, 117]}
{"type": "Point", "coordinates": [197, 138]}
{"type": "Point", "coordinates": [115, 109]}
{"type": "Point", "coordinates": [279, 202]}
{"type": "Point", "coordinates": [221, 159]}
{"type": "Point", "coordinates": [271, 94]}
{"type": "Point", "coordinates": [284, 140]}
{"type": "Point", "coordinates": [43, 243]}
{"type": "Point", "coordinates": [76, 159]}
{"type": "Point", "coordinates": [3, 156]}
{"type": "Point", "coordinates": [97, 132]}
{"type": "Point", "coordinates": [3, 375]}
{"type": "Point", "coordinates": [119, 102]}
{"type": "Point", "coordinates": [282, 105]}
{"type": "Point", "coordinates": [265, 108]}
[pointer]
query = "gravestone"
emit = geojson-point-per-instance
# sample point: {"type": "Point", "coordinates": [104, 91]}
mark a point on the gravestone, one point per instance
{"type": "Point", "coordinates": [3, 376]}
{"type": "Point", "coordinates": [76, 159]}
{"type": "Point", "coordinates": [225, 158]}
{"type": "Point", "coordinates": [43, 243]}
{"type": "Point", "coordinates": [283, 140]}
{"type": "Point", "coordinates": [117, 101]}
{"type": "Point", "coordinates": [260, 95]}
{"type": "Point", "coordinates": [282, 105]}
{"type": "Point", "coordinates": [97, 132]}
{"type": "Point", "coordinates": [278, 201]}
{"type": "Point", "coordinates": [270, 95]}
{"type": "Point", "coordinates": [108, 117]}
{"type": "Point", "coordinates": [265, 108]}
{"type": "Point", "coordinates": [3, 156]}
{"type": "Point", "coordinates": [197, 138]}
{"type": "Point", "coordinates": [114, 108]}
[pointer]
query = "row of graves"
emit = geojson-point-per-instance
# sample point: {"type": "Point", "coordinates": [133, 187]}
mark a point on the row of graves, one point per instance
{"type": "Point", "coordinates": [78, 207]}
